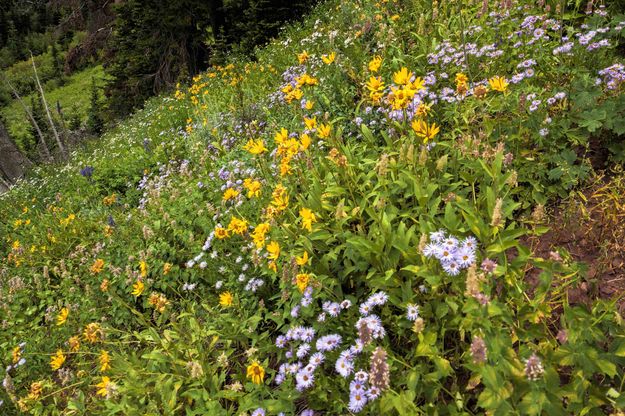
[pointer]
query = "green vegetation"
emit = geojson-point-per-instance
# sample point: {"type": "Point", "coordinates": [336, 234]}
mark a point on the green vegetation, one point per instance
{"type": "Point", "coordinates": [337, 226]}
{"type": "Point", "coordinates": [73, 97]}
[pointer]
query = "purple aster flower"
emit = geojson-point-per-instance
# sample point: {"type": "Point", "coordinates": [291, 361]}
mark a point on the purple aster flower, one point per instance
{"type": "Point", "coordinates": [357, 385]}
{"type": "Point", "coordinates": [328, 342]}
{"type": "Point", "coordinates": [344, 367]}
{"type": "Point", "coordinates": [259, 412]}
{"type": "Point", "coordinates": [412, 312]}
{"type": "Point", "coordinates": [317, 359]}
{"type": "Point", "coordinates": [281, 341]}
{"type": "Point", "coordinates": [362, 376]}
{"type": "Point", "coordinates": [303, 350]}
{"type": "Point", "coordinates": [357, 402]}
{"type": "Point", "coordinates": [304, 380]}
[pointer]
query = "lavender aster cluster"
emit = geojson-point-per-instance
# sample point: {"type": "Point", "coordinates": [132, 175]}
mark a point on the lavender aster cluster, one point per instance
{"type": "Point", "coordinates": [453, 255]}
{"type": "Point", "coordinates": [613, 76]}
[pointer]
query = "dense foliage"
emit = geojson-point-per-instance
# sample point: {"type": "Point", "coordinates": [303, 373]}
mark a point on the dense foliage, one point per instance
{"type": "Point", "coordinates": [333, 228]}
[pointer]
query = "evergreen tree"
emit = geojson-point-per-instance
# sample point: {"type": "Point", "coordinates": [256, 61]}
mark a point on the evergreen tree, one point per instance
{"type": "Point", "coordinates": [95, 124]}
{"type": "Point", "coordinates": [57, 63]}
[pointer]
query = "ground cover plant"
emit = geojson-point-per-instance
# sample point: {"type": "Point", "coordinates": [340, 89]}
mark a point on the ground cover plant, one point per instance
{"type": "Point", "coordinates": [342, 226]}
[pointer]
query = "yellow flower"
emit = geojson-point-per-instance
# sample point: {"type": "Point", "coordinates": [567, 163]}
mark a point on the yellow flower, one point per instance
{"type": "Point", "coordinates": [305, 141]}
{"type": "Point", "coordinates": [415, 86]}
{"type": "Point", "coordinates": [16, 245]}
{"type": "Point", "coordinates": [281, 136]}
{"type": "Point", "coordinates": [62, 316]}
{"type": "Point", "coordinates": [301, 280]}
{"type": "Point", "coordinates": [237, 226]}
{"type": "Point", "coordinates": [105, 361]}
{"type": "Point", "coordinates": [92, 332]}
{"type": "Point", "coordinates": [256, 373]}
{"type": "Point", "coordinates": [17, 354]}
{"type": "Point", "coordinates": [255, 147]}
{"type": "Point", "coordinates": [230, 193]}
{"type": "Point", "coordinates": [402, 77]}
{"type": "Point", "coordinates": [225, 299]}
{"type": "Point", "coordinates": [309, 105]}
{"type": "Point", "coordinates": [253, 187]}
{"type": "Point", "coordinates": [35, 390]}
{"type": "Point", "coordinates": [110, 200]}
{"type": "Point", "coordinates": [308, 217]}
{"type": "Point", "coordinates": [425, 130]}
{"type": "Point", "coordinates": [272, 266]}
{"type": "Point", "coordinates": [328, 59]}
{"type": "Point", "coordinates": [461, 79]}
{"type": "Point", "coordinates": [166, 268]}
{"type": "Point", "coordinates": [375, 63]}
{"type": "Point", "coordinates": [74, 343]}
{"type": "Point", "coordinates": [375, 85]}
{"type": "Point", "coordinates": [144, 268]}
{"type": "Point", "coordinates": [303, 57]}
{"type": "Point", "coordinates": [310, 123]}
{"type": "Point", "coordinates": [423, 109]}
{"type": "Point", "coordinates": [57, 360]}
{"type": "Point", "coordinates": [302, 260]}
{"type": "Point", "coordinates": [280, 198]}
{"type": "Point", "coordinates": [159, 301]}
{"type": "Point", "coordinates": [324, 131]}
{"type": "Point", "coordinates": [138, 288]}
{"type": "Point", "coordinates": [103, 386]}
{"type": "Point", "coordinates": [97, 266]}
{"type": "Point", "coordinates": [221, 233]}
{"type": "Point", "coordinates": [258, 235]}
{"type": "Point", "coordinates": [273, 249]}
{"type": "Point", "coordinates": [498, 84]}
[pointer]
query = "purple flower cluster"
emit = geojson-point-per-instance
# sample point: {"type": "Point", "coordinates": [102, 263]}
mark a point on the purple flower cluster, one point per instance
{"type": "Point", "coordinates": [453, 255]}
{"type": "Point", "coordinates": [613, 76]}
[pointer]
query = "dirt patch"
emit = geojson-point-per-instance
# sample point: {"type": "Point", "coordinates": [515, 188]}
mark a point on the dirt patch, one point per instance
{"type": "Point", "coordinates": [591, 227]}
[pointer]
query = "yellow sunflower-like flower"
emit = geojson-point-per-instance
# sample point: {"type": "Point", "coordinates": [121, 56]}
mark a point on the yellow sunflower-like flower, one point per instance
{"type": "Point", "coordinates": [498, 84]}
{"type": "Point", "coordinates": [103, 386]}
{"type": "Point", "coordinates": [255, 147]}
{"type": "Point", "coordinates": [57, 360]}
{"type": "Point", "coordinates": [402, 77]}
{"type": "Point", "coordinates": [302, 260]}
{"type": "Point", "coordinates": [328, 59]}
{"type": "Point", "coordinates": [424, 130]}
{"type": "Point", "coordinates": [273, 248]}
{"type": "Point", "coordinates": [256, 373]}
{"type": "Point", "coordinates": [301, 280]}
{"type": "Point", "coordinates": [375, 63]}
{"type": "Point", "coordinates": [308, 218]}
{"type": "Point", "coordinates": [221, 233]}
{"type": "Point", "coordinates": [237, 226]}
{"type": "Point", "coordinates": [225, 299]}
{"type": "Point", "coordinates": [61, 318]}
{"type": "Point", "coordinates": [138, 288]}
{"type": "Point", "coordinates": [324, 131]}
{"type": "Point", "coordinates": [97, 266]}
{"type": "Point", "coordinates": [105, 361]}
{"type": "Point", "coordinates": [229, 194]}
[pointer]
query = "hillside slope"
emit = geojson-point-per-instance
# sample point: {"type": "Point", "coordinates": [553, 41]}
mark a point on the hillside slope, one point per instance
{"type": "Point", "coordinates": [334, 228]}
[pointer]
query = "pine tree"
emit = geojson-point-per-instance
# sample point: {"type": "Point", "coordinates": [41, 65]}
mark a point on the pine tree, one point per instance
{"type": "Point", "coordinates": [95, 124]}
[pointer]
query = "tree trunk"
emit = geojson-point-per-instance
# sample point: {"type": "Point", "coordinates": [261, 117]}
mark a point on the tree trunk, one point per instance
{"type": "Point", "coordinates": [13, 163]}
{"type": "Point", "coordinates": [45, 105]}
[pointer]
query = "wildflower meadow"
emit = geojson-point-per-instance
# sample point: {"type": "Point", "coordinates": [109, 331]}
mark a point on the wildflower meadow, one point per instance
{"type": "Point", "coordinates": [348, 224]}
